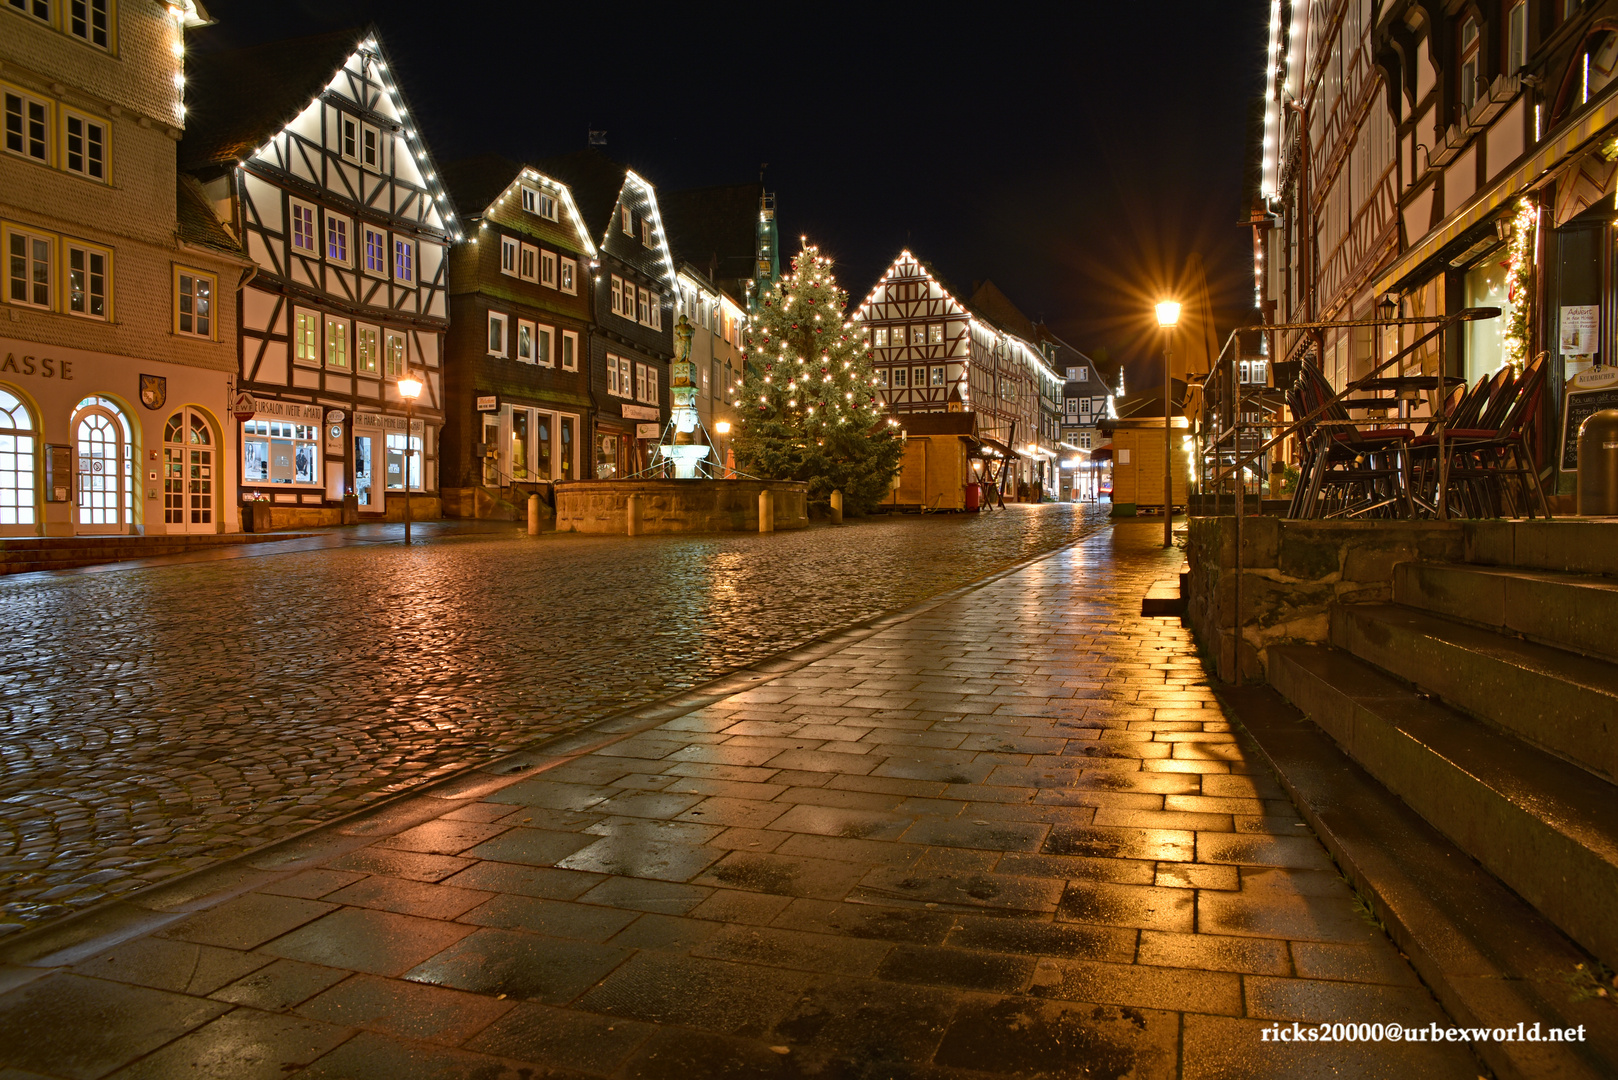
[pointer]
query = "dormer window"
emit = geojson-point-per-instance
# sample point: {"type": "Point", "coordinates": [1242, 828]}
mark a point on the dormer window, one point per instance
{"type": "Point", "coordinates": [537, 202]}
{"type": "Point", "coordinates": [628, 220]}
{"type": "Point", "coordinates": [1469, 64]}
{"type": "Point", "coordinates": [645, 232]}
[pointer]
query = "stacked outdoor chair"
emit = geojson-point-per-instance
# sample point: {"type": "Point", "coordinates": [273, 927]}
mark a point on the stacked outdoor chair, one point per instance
{"type": "Point", "coordinates": [1349, 469]}
{"type": "Point", "coordinates": [1490, 471]}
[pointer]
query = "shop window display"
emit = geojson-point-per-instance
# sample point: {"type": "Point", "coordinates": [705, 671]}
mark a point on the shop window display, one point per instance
{"type": "Point", "coordinates": [280, 452]}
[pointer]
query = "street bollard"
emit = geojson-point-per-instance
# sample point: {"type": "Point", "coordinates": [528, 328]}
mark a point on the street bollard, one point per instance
{"type": "Point", "coordinates": [533, 515]}
{"type": "Point", "coordinates": [766, 512]}
{"type": "Point", "coordinates": [837, 508]}
{"type": "Point", "coordinates": [634, 516]}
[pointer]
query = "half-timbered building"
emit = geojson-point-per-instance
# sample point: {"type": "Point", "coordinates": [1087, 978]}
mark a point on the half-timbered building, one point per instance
{"type": "Point", "coordinates": [934, 353]}
{"type": "Point", "coordinates": [634, 291]}
{"type": "Point", "coordinates": [310, 155]}
{"type": "Point", "coordinates": [517, 380]}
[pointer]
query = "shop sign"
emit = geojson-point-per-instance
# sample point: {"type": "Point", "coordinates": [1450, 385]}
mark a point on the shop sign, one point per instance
{"type": "Point", "coordinates": [334, 416]}
{"type": "Point", "coordinates": [647, 431]}
{"type": "Point", "coordinates": [640, 412]}
{"type": "Point", "coordinates": [45, 367]}
{"type": "Point", "coordinates": [244, 407]}
{"type": "Point", "coordinates": [1579, 326]}
{"type": "Point", "coordinates": [387, 423]}
{"type": "Point", "coordinates": [291, 409]}
{"type": "Point", "coordinates": [488, 403]}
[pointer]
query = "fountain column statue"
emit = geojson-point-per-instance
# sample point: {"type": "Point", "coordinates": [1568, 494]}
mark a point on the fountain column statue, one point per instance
{"type": "Point", "coordinates": [684, 449]}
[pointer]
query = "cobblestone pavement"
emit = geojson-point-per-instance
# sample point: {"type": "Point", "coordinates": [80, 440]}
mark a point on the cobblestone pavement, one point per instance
{"type": "Point", "coordinates": [155, 720]}
{"type": "Point", "coordinates": [1009, 834]}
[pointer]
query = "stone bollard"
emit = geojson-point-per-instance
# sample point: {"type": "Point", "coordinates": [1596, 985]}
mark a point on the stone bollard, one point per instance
{"type": "Point", "coordinates": [766, 512]}
{"type": "Point", "coordinates": [533, 515]}
{"type": "Point", "coordinates": [634, 516]}
{"type": "Point", "coordinates": [837, 508]}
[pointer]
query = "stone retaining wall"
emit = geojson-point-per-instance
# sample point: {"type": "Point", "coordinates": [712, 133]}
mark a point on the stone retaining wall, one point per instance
{"type": "Point", "coordinates": [668, 506]}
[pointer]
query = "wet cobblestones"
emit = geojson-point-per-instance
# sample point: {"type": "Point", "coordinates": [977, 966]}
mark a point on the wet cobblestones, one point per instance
{"type": "Point", "coordinates": [156, 720]}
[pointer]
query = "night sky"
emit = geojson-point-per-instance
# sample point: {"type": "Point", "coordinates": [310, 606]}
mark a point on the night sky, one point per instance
{"type": "Point", "coordinates": [1075, 156]}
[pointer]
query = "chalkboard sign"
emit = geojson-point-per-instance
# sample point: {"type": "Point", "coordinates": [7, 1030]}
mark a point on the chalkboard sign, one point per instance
{"type": "Point", "coordinates": [1577, 406]}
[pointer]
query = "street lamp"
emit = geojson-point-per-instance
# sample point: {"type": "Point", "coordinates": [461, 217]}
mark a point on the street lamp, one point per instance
{"type": "Point", "coordinates": [1168, 314]}
{"type": "Point", "coordinates": [410, 390]}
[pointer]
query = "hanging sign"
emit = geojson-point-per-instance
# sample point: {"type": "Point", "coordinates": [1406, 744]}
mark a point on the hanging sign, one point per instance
{"type": "Point", "coordinates": [640, 412]}
{"type": "Point", "coordinates": [489, 403]}
{"type": "Point", "coordinates": [647, 431]}
{"type": "Point", "coordinates": [243, 407]}
{"type": "Point", "coordinates": [1578, 332]}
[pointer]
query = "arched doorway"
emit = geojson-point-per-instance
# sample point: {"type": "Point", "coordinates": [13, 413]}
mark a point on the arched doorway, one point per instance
{"type": "Point", "coordinates": [19, 470]}
{"type": "Point", "coordinates": [188, 472]}
{"type": "Point", "coordinates": [103, 468]}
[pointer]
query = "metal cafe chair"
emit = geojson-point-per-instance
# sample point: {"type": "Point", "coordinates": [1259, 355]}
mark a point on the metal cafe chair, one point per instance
{"type": "Point", "coordinates": [1492, 471]}
{"type": "Point", "coordinates": [1355, 469]}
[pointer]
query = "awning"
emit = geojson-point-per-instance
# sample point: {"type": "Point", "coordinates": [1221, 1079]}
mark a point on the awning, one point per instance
{"type": "Point", "coordinates": [1103, 453]}
{"type": "Point", "coordinates": [1000, 449]}
{"type": "Point", "coordinates": [1554, 154]}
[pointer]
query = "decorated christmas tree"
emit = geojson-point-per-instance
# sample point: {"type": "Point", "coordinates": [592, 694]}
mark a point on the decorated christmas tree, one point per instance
{"type": "Point", "coordinates": [809, 405]}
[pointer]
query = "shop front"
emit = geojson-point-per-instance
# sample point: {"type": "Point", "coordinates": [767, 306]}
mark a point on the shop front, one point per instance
{"type": "Point", "coordinates": [624, 443]}
{"type": "Point", "coordinates": [97, 444]}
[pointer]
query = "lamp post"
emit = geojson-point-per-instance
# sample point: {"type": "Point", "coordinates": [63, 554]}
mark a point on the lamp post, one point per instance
{"type": "Point", "coordinates": [410, 390]}
{"type": "Point", "coordinates": [1168, 314]}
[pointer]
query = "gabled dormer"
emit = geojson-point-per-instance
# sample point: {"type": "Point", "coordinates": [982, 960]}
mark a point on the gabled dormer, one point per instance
{"type": "Point", "coordinates": [527, 224]}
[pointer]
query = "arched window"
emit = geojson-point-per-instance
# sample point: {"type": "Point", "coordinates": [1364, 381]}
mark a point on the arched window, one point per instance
{"type": "Point", "coordinates": [19, 441]}
{"type": "Point", "coordinates": [103, 467]}
{"type": "Point", "coordinates": [188, 472]}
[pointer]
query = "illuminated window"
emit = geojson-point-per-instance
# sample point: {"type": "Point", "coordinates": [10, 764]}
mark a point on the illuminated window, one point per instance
{"type": "Point", "coordinates": [336, 343]}
{"type": "Point", "coordinates": [404, 260]}
{"type": "Point", "coordinates": [918, 335]}
{"type": "Point", "coordinates": [306, 337]}
{"type": "Point", "coordinates": [365, 350]}
{"type": "Point", "coordinates": [337, 249]}
{"type": "Point", "coordinates": [395, 353]}
{"type": "Point", "coordinates": [879, 337]}
{"type": "Point", "coordinates": [303, 227]}
{"type": "Point", "coordinates": [628, 220]}
{"type": "Point", "coordinates": [87, 281]}
{"type": "Point", "coordinates": [376, 251]}
{"type": "Point", "coordinates": [935, 334]}
{"type": "Point", "coordinates": [194, 303]}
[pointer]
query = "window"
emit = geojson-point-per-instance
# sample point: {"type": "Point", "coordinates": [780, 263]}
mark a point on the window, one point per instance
{"type": "Point", "coordinates": [529, 267]}
{"type": "Point", "coordinates": [1072, 407]}
{"type": "Point", "coordinates": [351, 139]}
{"type": "Point", "coordinates": [1073, 374]}
{"type": "Point", "coordinates": [1084, 439]}
{"type": "Point", "coordinates": [404, 452]}
{"type": "Point", "coordinates": [542, 345]}
{"type": "Point", "coordinates": [617, 295]}
{"type": "Point", "coordinates": [547, 206]}
{"type": "Point", "coordinates": [642, 307]}
{"type": "Point", "coordinates": [337, 250]}
{"type": "Point", "coordinates": [935, 334]}
{"type": "Point", "coordinates": [17, 468]}
{"type": "Point", "coordinates": [937, 374]}
{"type": "Point", "coordinates": [646, 232]}
{"type": "Point", "coordinates": [547, 268]}
{"type": "Point", "coordinates": [628, 220]}
{"type": "Point", "coordinates": [651, 386]}
{"type": "Point", "coordinates": [882, 377]}
{"type": "Point", "coordinates": [194, 303]}
{"type": "Point", "coordinates": [26, 127]}
{"type": "Point", "coordinates": [404, 260]}
{"type": "Point", "coordinates": [625, 380]}
{"type": "Point", "coordinates": [901, 378]}
{"type": "Point", "coordinates": [1082, 376]}
{"type": "Point", "coordinates": [918, 378]}
{"type": "Point", "coordinates": [336, 343]}
{"type": "Point", "coordinates": [570, 351]}
{"type": "Point", "coordinates": [525, 341]}
{"type": "Point", "coordinates": [280, 452]}
{"type": "Point", "coordinates": [508, 255]}
{"type": "Point", "coordinates": [1517, 37]}
{"type": "Point", "coordinates": [640, 382]}
{"type": "Point", "coordinates": [530, 200]}
{"type": "Point", "coordinates": [879, 337]}
{"type": "Point", "coordinates": [1469, 64]}
{"type": "Point", "coordinates": [918, 335]}
{"type": "Point", "coordinates": [370, 147]}
{"type": "Point", "coordinates": [303, 226]}
{"type": "Point", "coordinates": [565, 268]}
{"type": "Point", "coordinates": [657, 310]}
{"type": "Point", "coordinates": [86, 147]}
{"type": "Point", "coordinates": [87, 20]}
{"type": "Point", "coordinates": [376, 251]}
{"type": "Point", "coordinates": [306, 337]}
{"type": "Point", "coordinates": [87, 281]}
{"type": "Point", "coordinates": [615, 385]}
{"type": "Point", "coordinates": [497, 334]}
{"type": "Point", "coordinates": [28, 269]}
{"type": "Point", "coordinates": [39, 9]}
{"type": "Point", "coordinates": [1084, 410]}
{"type": "Point", "coordinates": [394, 354]}
{"type": "Point", "coordinates": [365, 350]}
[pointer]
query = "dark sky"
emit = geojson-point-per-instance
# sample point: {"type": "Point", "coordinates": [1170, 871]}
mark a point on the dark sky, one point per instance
{"type": "Point", "coordinates": [1076, 154]}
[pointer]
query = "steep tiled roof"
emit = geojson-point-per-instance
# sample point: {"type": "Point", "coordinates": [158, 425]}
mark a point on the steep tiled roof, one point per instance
{"type": "Point", "coordinates": [714, 228]}
{"type": "Point", "coordinates": [476, 182]}
{"type": "Point", "coordinates": [198, 225]}
{"type": "Point", "coordinates": [596, 180]}
{"type": "Point", "coordinates": [237, 98]}
{"type": "Point", "coordinates": [988, 301]}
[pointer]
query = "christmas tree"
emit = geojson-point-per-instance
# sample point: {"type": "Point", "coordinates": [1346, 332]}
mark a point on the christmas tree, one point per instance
{"type": "Point", "coordinates": [810, 406]}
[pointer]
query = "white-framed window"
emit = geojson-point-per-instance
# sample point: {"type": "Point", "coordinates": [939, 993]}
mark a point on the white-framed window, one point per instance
{"type": "Point", "coordinates": [19, 435]}
{"type": "Point", "coordinates": [640, 382]}
{"type": "Point", "coordinates": [508, 255]}
{"type": "Point", "coordinates": [652, 396]}
{"type": "Point", "coordinates": [87, 279]}
{"type": "Point", "coordinates": [350, 138]}
{"type": "Point", "coordinates": [193, 303]}
{"type": "Point", "coordinates": [1470, 55]}
{"type": "Point", "coordinates": [547, 268]}
{"type": "Point", "coordinates": [935, 334]}
{"type": "Point", "coordinates": [371, 148]}
{"type": "Point", "coordinates": [615, 386]}
{"type": "Point", "coordinates": [1073, 374]}
{"type": "Point", "coordinates": [528, 265]}
{"type": "Point", "coordinates": [28, 126]}
{"type": "Point", "coordinates": [303, 234]}
{"type": "Point", "coordinates": [338, 237]}
{"type": "Point", "coordinates": [85, 146]}
{"type": "Point", "coordinates": [530, 199]}
{"type": "Point", "coordinates": [918, 334]}
{"type": "Point", "coordinates": [376, 252]}
{"type": "Point", "coordinates": [566, 269]}
{"type": "Point", "coordinates": [336, 343]}
{"type": "Point", "coordinates": [1071, 407]}
{"type": "Point", "coordinates": [882, 377]}
{"type": "Point", "coordinates": [642, 307]}
{"type": "Point", "coordinates": [1084, 439]}
{"type": "Point", "coordinates": [627, 220]}
{"type": "Point", "coordinates": [617, 295]}
{"type": "Point", "coordinates": [1517, 37]}
{"type": "Point", "coordinates": [366, 349]}
{"type": "Point", "coordinates": [657, 310]}
{"type": "Point", "coordinates": [543, 336]}
{"type": "Point", "coordinates": [497, 334]}
{"type": "Point", "coordinates": [525, 341]}
{"type": "Point", "coordinates": [1082, 376]}
{"type": "Point", "coordinates": [404, 260]}
{"type": "Point", "coordinates": [39, 9]}
{"type": "Point", "coordinates": [29, 266]}
{"type": "Point", "coordinates": [646, 232]}
{"type": "Point", "coordinates": [936, 375]}
{"type": "Point", "coordinates": [280, 452]}
{"type": "Point", "coordinates": [306, 338]}
{"type": "Point", "coordinates": [395, 354]}
{"type": "Point", "coordinates": [88, 20]}
{"type": "Point", "coordinates": [901, 378]}
{"type": "Point", "coordinates": [918, 377]}
{"type": "Point", "coordinates": [570, 350]}
{"type": "Point", "coordinates": [547, 206]}
{"type": "Point", "coordinates": [626, 378]}
{"type": "Point", "coordinates": [1084, 406]}
{"type": "Point", "coordinates": [879, 338]}
{"type": "Point", "coordinates": [407, 452]}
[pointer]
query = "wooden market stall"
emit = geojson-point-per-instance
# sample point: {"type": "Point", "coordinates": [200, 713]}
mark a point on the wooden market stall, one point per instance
{"type": "Point", "coordinates": [1137, 462]}
{"type": "Point", "coordinates": [937, 472]}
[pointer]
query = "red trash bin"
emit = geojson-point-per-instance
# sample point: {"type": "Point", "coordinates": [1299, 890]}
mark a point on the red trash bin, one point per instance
{"type": "Point", "coordinates": [974, 495]}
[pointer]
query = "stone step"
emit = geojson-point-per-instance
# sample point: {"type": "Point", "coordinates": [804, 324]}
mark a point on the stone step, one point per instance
{"type": "Point", "coordinates": [1544, 827]}
{"type": "Point", "coordinates": [1558, 700]}
{"type": "Point", "coordinates": [1572, 611]}
{"type": "Point", "coordinates": [1490, 959]}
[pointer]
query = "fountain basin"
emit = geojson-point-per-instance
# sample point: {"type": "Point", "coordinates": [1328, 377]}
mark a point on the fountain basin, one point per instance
{"type": "Point", "coordinates": [678, 506]}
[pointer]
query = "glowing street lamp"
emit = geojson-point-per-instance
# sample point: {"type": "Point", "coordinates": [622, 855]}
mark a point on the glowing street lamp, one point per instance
{"type": "Point", "coordinates": [410, 390]}
{"type": "Point", "coordinates": [1168, 315]}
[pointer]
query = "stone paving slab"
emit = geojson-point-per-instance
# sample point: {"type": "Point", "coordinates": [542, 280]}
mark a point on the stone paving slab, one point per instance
{"type": "Point", "coordinates": [938, 909]}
